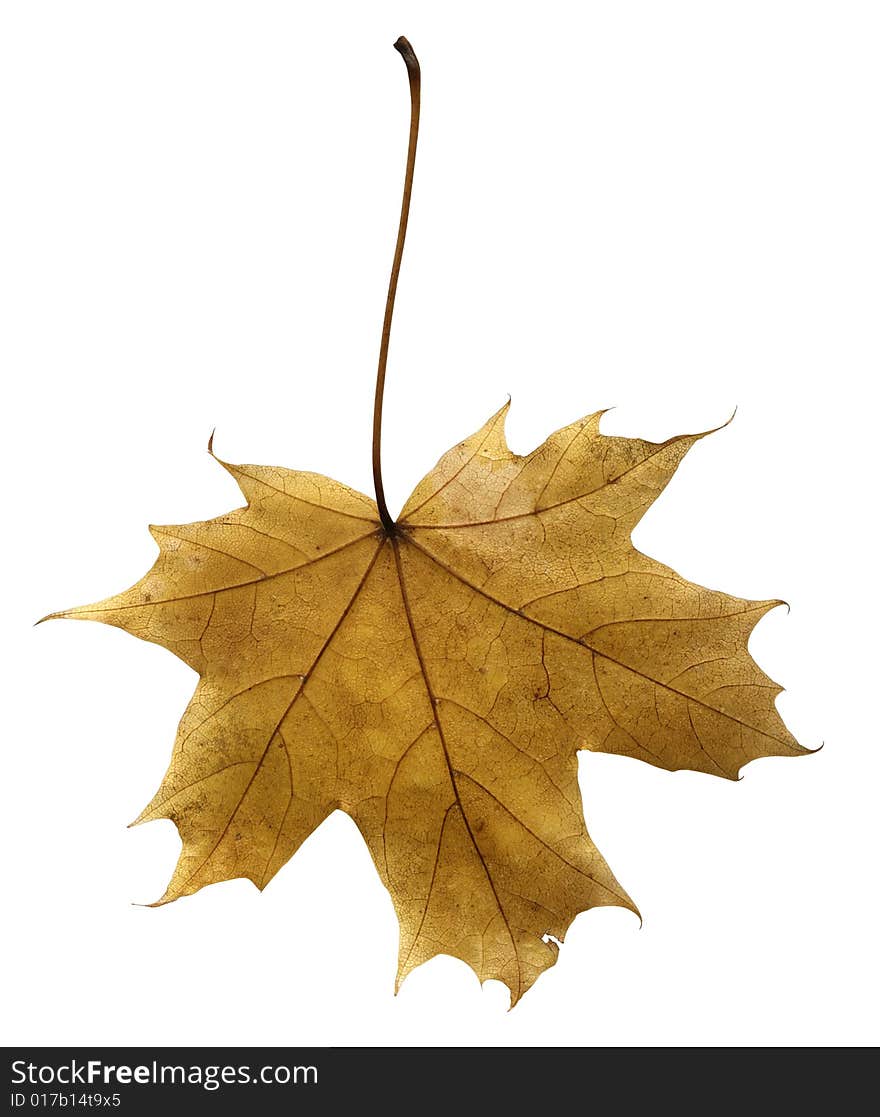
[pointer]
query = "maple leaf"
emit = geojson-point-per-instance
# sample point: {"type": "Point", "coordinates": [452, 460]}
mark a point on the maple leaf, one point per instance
{"type": "Point", "coordinates": [434, 677]}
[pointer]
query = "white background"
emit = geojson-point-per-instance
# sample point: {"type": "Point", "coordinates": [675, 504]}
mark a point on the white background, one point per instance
{"type": "Point", "coordinates": [671, 208]}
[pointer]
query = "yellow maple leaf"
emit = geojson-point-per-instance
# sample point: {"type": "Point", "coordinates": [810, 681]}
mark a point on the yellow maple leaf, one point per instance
{"type": "Point", "coordinates": [434, 677]}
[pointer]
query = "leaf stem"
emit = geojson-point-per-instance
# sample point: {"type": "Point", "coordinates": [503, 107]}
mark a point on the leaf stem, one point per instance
{"type": "Point", "coordinates": [415, 82]}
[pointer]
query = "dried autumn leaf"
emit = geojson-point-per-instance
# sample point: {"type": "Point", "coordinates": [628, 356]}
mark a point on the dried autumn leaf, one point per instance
{"type": "Point", "coordinates": [434, 678]}
{"type": "Point", "coordinates": [436, 685]}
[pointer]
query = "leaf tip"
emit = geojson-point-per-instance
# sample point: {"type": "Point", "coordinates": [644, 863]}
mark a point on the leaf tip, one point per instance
{"type": "Point", "coordinates": [626, 902]}
{"type": "Point", "coordinates": [762, 608]}
{"type": "Point", "coordinates": [720, 427]}
{"type": "Point", "coordinates": [148, 814]}
{"type": "Point", "coordinates": [500, 418]}
{"type": "Point", "coordinates": [167, 897]}
{"type": "Point", "coordinates": [231, 469]}
{"type": "Point", "coordinates": [60, 615]}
